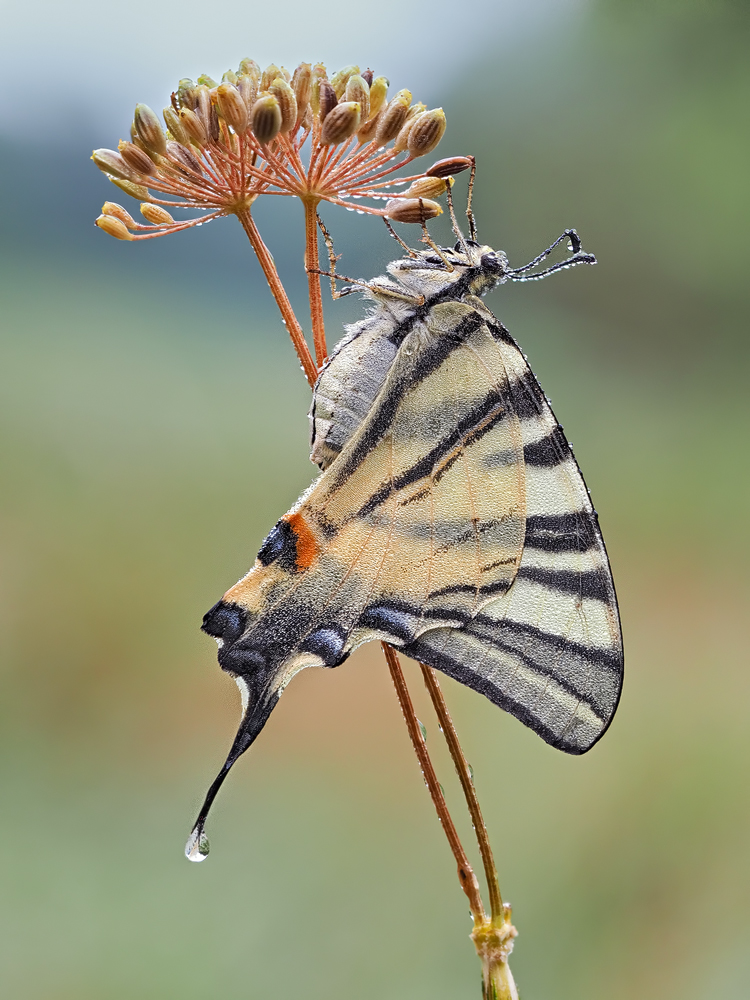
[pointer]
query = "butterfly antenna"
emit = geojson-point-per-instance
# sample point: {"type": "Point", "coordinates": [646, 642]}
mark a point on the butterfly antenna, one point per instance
{"type": "Point", "coordinates": [577, 257]}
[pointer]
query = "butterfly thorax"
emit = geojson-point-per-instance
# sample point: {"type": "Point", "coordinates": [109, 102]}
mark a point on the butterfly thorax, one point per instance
{"type": "Point", "coordinates": [356, 369]}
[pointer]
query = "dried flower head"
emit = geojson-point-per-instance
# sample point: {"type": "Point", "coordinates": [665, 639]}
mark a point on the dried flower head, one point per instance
{"type": "Point", "coordinates": [226, 144]}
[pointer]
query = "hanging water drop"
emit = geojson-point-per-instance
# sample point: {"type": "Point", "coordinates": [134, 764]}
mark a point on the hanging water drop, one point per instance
{"type": "Point", "coordinates": [197, 847]}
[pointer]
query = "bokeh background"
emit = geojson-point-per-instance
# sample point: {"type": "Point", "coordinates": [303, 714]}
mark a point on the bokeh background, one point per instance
{"type": "Point", "coordinates": [152, 427]}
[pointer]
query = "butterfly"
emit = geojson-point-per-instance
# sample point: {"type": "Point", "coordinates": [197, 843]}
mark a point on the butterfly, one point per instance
{"type": "Point", "coordinates": [450, 519]}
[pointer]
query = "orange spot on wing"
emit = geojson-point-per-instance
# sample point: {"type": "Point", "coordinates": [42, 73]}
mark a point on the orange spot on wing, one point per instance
{"type": "Point", "coordinates": [307, 545]}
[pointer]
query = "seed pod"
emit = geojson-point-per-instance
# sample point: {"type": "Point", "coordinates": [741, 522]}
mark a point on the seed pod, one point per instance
{"type": "Point", "coordinates": [412, 209]}
{"type": "Point", "coordinates": [249, 67]}
{"type": "Point", "coordinates": [269, 75]}
{"type": "Point", "coordinates": [113, 164]}
{"type": "Point", "coordinates": [136, 158]}
{"type": "Point", "coordinates": [328, 99]}
{"type": "Point", "coordinates": [118, 212]}
{"type": "Point", "coordinates": [149, 129]}
{"type": "Point", "coordinates": [357, 90]}
{"type": "Point", "coordinates": [186, 159]}
{"type": "Point", "coordinates": [367, 131]}
{"type": "Point", "coordinates": [318, 74]}
{"type": "Point", "coordinates": [204, 80]}
{"type": "Point", "coordinates": [340, 79]}
{"type": "Point", "coordinates": [284, 94]}
{"type": "Point", "coordinates": [137, 191]}
{"type": "Point", "coordinates": [402, 139]}
{"type": "Point", "coordinates": [449, 166]}
{"type": "Point", "coordinates": [428, 187]}
{"type": "Point", "coordinates": [176, 128]}
{"type": "Point", "coordinates": [186, 94]}
{"type": "Point", "coordinates": [367, 77]}
{"type": "Point", "coordinates": [232, 107]}
{"type": "Point", "coordinates": [230, 77]}
{"type": "Point", "coordinates": [378, 93]}
{"type": "Point", "coordinates": [157, 215]}
{"type": "Point", "coordinates": [207, 113]}
{"type": "Point", "coordinates": [302, 87]}
{"type": "Point", "coordinates": [114, 227]}
{"type": "Point", "coordinates": [341, 123]}
{"type": "Point", "coordinates": [393, 117]}
{"type": "Point", "coordinates": [247, 85]}
{"type": "Point", "coordinates": [265, 119]}
{"type": "Point", "coordinates": [428, 130]}
{"type": "Point", "coordinates": [194, 126]}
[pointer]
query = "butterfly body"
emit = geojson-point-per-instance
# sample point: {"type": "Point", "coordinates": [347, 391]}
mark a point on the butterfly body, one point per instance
{"type": "Point", "coordinates": [450, 520]}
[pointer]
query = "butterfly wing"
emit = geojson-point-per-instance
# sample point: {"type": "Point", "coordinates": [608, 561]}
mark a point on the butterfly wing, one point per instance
{"type": "Point", "coordinates": [550, 650]}
{"type": "Point", "coordinates": [417, 525]}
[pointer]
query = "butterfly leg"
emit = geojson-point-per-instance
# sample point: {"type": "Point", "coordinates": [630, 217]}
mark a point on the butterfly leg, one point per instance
{"type": "Point", "coordinates": [470, 195]}
{"type": "Point", "coordinates": [397, 238]}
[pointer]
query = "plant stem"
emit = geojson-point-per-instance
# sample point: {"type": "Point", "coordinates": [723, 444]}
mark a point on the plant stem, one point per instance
{"type": "Point", "coordinates": [313, 279]}
{"type": "Point", "coordinates": [467, 784]}
{"type": "Point", "coordinates": [277, 290]}
{"type": "Point", "coordinates": [466, 876]}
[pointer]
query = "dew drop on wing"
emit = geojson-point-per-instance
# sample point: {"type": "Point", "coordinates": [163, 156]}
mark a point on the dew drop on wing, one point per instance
{"type": "Point", "coordinates": [197, 847]}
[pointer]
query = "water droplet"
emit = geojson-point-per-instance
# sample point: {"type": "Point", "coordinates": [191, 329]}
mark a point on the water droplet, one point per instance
{"type": "Point", "coordinates": [197, 847]}
{"type": "Point", "coordinates": [360, 212]}
{"type": "Point", "coordinates": [471, 772]}
{"type": "Point", "coordinates": [442, 792]}
{"type": "Point", "coordinates": [423, 730]}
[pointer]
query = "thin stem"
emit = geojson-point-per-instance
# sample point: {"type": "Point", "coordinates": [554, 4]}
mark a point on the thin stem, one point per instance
{"type": "Point", "coordinates": [277, 290]}
{"type": "Point", "coordinates": [312, 266]}
{"type": "Point", "coordinates": [466, 875]}
{"type": "Point", "coordinates": [467, 784]}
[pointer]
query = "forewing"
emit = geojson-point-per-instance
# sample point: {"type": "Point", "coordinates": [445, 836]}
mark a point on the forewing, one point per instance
{"type": "Point", "coordinates": [418, 523]}
{"type": "Point", "coordinates": [549, 651]}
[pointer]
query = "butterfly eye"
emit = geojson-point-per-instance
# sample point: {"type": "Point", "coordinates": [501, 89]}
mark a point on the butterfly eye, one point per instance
{"type": "Point", "coordinates": [492, 263]}
{"type": "Point", "coordinates": [225, 621]}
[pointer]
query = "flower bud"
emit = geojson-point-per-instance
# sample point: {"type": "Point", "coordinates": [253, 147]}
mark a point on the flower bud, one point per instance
{"type": "Point", "coordinates": [194, 126]}
{"type": "Point", "coordinates": [327, 100]}
{"type": "Point", "coordinates": [378, 93]}
{"type": "Point", "coordinates": [428, 130]}
{"type": "Point", "coordinates": [230, 77]}
{"type": "Point", "coordinates": [157, 215]}
{"type": "Point", "coordinates": [114, 227]}
{"type": "Point", "coordinates": [357, 90]}
{"type": "Point", "coordinates": [118, 212]}
{"type": "Point", "coordinates": [318, 74]}
{"type": "Point", "coordinates": [112, 163]}
{"type": "Point", "coordinates": [175, 127]}
{"type": "Point", "coordinates": [393, 117]}
{"type": "Point", "coordinates": [340, 79]}
{"type": "Point", "coordinates": [249, 67]}
{"type": "Point", "coordinates": [265, 119]}
{"type": "Point", "coordinates": [204, 80]}
{"type": "Point", "coordinates": [247, 85]}
{"type": "Point", "coordinates": [412, 209]}
{"type": "Point", "coordinates": [287, 103]}
{"type": "Point", "coordinates": [186, 159]}
{"type": "Point", "coordinates": [149, 129]}
{"type": "Point", "coordinates": [232, 107]}
{"type": "Point", "coordinates": [340, 124]}
{"type": "Point", "coordinates": [301, 85]}
{"type": "Point", "coordinates": [136, 158]}
{"type": "Point", "coordinates": [428, 187]}
{"type": "Point", "coordinates": [137, 191]}
{"type": "Point", "coordinates": [269, 75]}
{"type": "Point", "coordinates": [186, 94]}
{"type": "Point", "coordinates": [449, 166]}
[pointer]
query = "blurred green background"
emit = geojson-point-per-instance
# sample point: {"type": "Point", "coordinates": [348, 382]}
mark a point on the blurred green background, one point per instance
{"type": "Point", "coordinates": [152, 427]}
